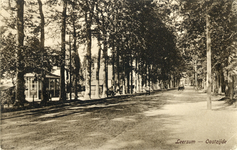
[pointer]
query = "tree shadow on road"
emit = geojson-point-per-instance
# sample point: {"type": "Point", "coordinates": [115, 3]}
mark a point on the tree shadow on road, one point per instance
{"type": "Point", "coordinates": [89, 105]}
{"type": "Point", "coordinates": [79, 123]}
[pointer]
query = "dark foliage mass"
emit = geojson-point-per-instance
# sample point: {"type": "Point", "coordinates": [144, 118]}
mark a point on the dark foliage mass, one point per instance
{"type": "Point", "coordinates": [134, 37]}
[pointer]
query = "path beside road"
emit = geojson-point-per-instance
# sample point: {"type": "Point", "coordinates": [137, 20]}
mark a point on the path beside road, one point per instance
{"type": "Point", "coordinates": [209, 129]}
{"type": "Point", "coordinates": [184, 123]}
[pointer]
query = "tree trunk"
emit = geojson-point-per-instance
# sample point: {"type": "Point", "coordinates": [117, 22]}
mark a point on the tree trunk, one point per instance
{"type": "Point", "coordinates": [117, 65]}
{"type": "Point", "coordinates": [76, 70]}
{"type": "Point", "coordinates": [70, 68]}
{"type": "Point", "coordinates": [230, 91]}
{"type": "Point", "coordinates": [205, 83]}
{"type": "Point", "coordinates": [97, 91]}
{"type": "Point", "coordinates": [131, 70]}
{"type": "Point", "coordinates": [140, 83]}
{"type": "Point", "coordinates": [62, 96]}
{"type": "Point", "coordinates": [44, 97]}
{"type": "Point", "coordinates": [124, 78]}
{"type": "Point", "coordinates": [105, 85]}
{"type": "Point", "coordinates": [139, 80]}
{"type": "Point", "coordinates": [208, 62]}
{"type": "Point", "coordinates": [113, 57]}
{"type": "Point", "coordinates": [97, 86]}
{"type": "Point", "coordinates": [175, 81]}
{"type": "Point", "coordinates": [146, 74]}
{"type": "Point", "coordinates": [136, 76]}
{"type": "Point", "coordinates": [149, 77]}
{"type": "Point", "coordinates": [113, 66]}
{"type": "Point", "coordinates": [222, 86]}
{"type": "Point", "coordinates": [76, 55]}
{"type": "Point", "coordinates": [232, 88]}
{"type": "Point", "coordinates": [20, 81]}
{"type": "Point", "coordinates": [217, 81]}
{"type": "Point", "coordinates": [127, 72]}
{"type": "Point", "coordinates": [196, 84]}
{"type": "Point", "coordinates": [88, 54]}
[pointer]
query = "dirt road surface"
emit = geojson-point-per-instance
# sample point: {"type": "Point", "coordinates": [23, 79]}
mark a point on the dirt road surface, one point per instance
{"type": "Point", "coordinates": [165, 120]}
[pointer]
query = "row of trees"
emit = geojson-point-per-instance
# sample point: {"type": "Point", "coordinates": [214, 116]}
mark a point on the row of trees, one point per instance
{"type": "Point", "coordinates": [138, 40]}
{"type": "Point", "coordinates": [209, 34]}
{"type": "Point", "coordinates": [23, 46]}
{"type": "Point", "coordinates": [132, 36]}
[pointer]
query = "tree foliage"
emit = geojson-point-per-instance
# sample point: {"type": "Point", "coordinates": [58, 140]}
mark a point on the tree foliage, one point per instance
{"type": "Point", "coordinates": [127, 31]}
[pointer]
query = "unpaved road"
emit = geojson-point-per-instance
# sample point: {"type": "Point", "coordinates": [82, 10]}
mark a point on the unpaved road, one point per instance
{"type": "Point", "coordinates": [165, 120]}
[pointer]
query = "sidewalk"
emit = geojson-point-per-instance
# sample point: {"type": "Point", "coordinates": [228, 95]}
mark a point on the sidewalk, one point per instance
{"type": "Point", "coordinates": [199, 128]}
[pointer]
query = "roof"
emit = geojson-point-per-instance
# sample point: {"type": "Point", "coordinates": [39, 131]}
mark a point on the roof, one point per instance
{"type": "Point", "coordinates": [48, 75]}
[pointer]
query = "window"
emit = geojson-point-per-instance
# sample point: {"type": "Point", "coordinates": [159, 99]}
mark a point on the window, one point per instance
{"type": "Point", "coordinates": [26, 83]}
{"type": "Point", "coordinates": [33, 85]}
{"type": "Point", "coordinates": [51, 82]}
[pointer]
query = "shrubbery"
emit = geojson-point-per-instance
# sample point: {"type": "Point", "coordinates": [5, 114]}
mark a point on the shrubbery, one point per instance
{"type": "Point", "coordinates": [7, 96]}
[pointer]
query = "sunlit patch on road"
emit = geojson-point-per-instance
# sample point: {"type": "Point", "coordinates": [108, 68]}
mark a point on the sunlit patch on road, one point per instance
{"type": "Point", "coordinates": [125, 119]}
{"type": "Point", "coordinates": [95, 119]}
{"type": "Point", "coordinates": [75, 108]}
{"type": "Point", "coordinates": [115, 144]}
{"type": "Point", "coordinates": [96, 134]}
{"type": "Point", "coordinates": [49, 115]}
{"type": "Point", "coordinates": [48, 121]}
{"type": "Point", "coordinates": [72, 121]}
{"type": "Point", "coordinates": [152, 113]}
{"type": "Point", "coordinates": [99, 105]}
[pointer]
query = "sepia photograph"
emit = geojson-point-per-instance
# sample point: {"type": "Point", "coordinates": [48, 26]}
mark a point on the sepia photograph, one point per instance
{"type": "Point", "coordinates": [118, 74]}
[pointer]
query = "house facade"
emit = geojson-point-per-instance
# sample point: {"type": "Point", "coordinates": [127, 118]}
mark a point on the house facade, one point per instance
{"type": "Point", "coordinates": [101, 78]}
{"type": "Point", "coordinates": [33, 85]}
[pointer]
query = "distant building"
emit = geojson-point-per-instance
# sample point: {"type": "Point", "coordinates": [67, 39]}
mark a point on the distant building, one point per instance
{"type": "Point", "coordinates": [101, 78]}
{"type": "Point", "coordinates": [33, 85]}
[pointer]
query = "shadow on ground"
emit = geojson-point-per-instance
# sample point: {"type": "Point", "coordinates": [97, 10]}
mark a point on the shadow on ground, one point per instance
{"type": "Point", "coordinates": [117, 123]}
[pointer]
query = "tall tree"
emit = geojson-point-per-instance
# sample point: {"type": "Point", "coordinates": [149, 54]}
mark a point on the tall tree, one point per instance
{"type": "Point", "coordinates": [204, 22]}
{"type": "Point", "coordinates": [20, 82]}
{"type": "Point", "coordinates": [208, 61]}
{"type": "Point", "coordinates": [44, 97]}
{"type": "Point", "coordinates": [97, 90]}
{"type": "Point", "coordinates": [62, 96]}
{"type": "Point", "coordinates": [75, 56]}
{"type": "Point", "coordinates": [88, 7]}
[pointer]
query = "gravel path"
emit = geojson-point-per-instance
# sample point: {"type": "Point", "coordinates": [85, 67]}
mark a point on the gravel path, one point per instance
{"type": "Point", "coordinates": [198, 128]}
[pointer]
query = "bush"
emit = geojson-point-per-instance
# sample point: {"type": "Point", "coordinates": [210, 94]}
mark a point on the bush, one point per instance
{"type": "Point", "coordinates": [7, 96]}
